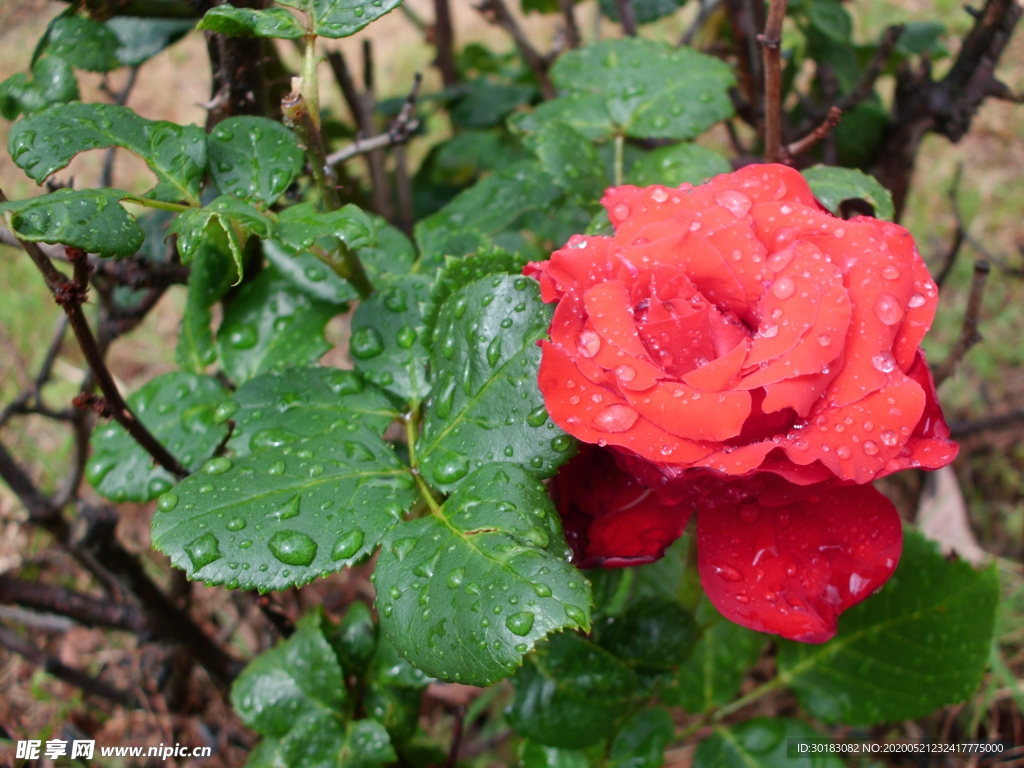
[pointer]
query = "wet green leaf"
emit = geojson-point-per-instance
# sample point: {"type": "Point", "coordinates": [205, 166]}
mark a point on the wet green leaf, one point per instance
{"type": "Point", "coordinates": [485, 404]}
{"type": "Point", "coordinates": [283, 516]}
{"type": "Point", "coordinates": [386, 343]}
{"type": "Point", "coordinates": [51, 81]}
{"type": "Point", "coordinates": [90, 219]}
{"type": "Point", "coordinates": [644, 11]}
{"type": "Point", "coordinates": [649, 89]}
{"type": "Point", "coordinates": [269, 325]}
{"type": "Point", "coordinates": [139, 39]}
{"type": "Point", "coordinates": [247, 22]}
{"type": "Point", "coordinates": [253, 158]}
{"type": "Point", "coordinates": [237, 220]}
{"type": "Point", "coordinates": [570, 160]}
{"type": "Point", "coordinates": [677, 164]}
{"type": "Point", "coordinates": [180, 410]}
{"type": "Point", "coordinates": [212, 273]}
{"type": "Point", "coordinates": [920, 644]}
{"type": "Point", "coordinates": [341, 18]}
{"type": "Point", "coordinates": [761, 743]}
{"type": "Point", "coordinates": [283, 406]}
{"type": "Point", "coordinates": [533, 755]}
{"type": "Point", "coordinates": [832, 185]}
{"type": "Point", "coordinates": [713, 673]}
{"type": "Point", "coordinates": [570, 693]}
{"type": "Point", "coordinates": [82, 42]}
{"type": "Point", "coordinates": [642, 740]}
{"type": "Point", "coordinates": [45, 142]}
{"type": "Point", "coordinates": [465, 592]}
{"type": "Point", "coordinates": [652, 634]}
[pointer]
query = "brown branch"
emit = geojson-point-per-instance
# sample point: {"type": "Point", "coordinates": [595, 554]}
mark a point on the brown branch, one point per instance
{"type": "Point", "coordinates": [959, 234]}
{"type": "Point", "coordinates": [444, 41]}
{"type": "Point", "coordinates": [771, 41]}
{"type": "Point", "coordinates": [399, 131]}
{"type": "Point", "coordinates": [457, 731]}
{"type": "Point", "coordinates": [802, 145]}
{"type": "Point", "coordinates": [969, 335]}
{"type": "Point", "coordinates": [70, 294]}
{"type": "Point", "coordinates": [572, 29]}
{"type": "Point", "coordinates": [1002, 421]}
{"type": "Point", "coordinates": [875, 66]}
{"type": "Point", "coordinates": [496, 12]}
{"type": "Point", "coordinates": [85, 609]}
{"type": "Point", "coordinates": [627, 18]}
{"type": "Point", "coordinates": [746, 17]}
{"type": "Point", "coordinates": [89, 685]}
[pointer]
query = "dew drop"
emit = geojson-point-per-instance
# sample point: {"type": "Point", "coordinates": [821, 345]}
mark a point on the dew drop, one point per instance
{"type": "Point", "coordinates": [625, 373]}
{"type": "Point", "coordinates": [520, 623]}
{"type": "Point", "coordinates": [726, 573]}
{"type": "Point", "coordinates": [218, 465]}
{"type": "Point", "coordinates": [588, 343]}
{"type": "Point", "coordinates": [824, 339]}
{"type": "Point", "coordinates": [292, 547]}
{"type": "Point", "coordinates": [235, 524]}
{"type": "Point", "coordinates": [888, 438]}
{"type": "Point", "coordinates": [784, 287]}
{"type": "Point", "coordinates": [890, 272]}
{"type": "Point", "coordinates": [843, 452]}
{"type": "Point", "coordinates": [888, 309]}
{"type": "Point", "coordinates": [452, 468]}
{"type": "Point", "coordinates": [916, 300]}
{"type": "Point", "coordinates": [620, 211]}
{"type": "Point", "coordinates": [456, 577]}
{"type": "Point", "coordinates": [884, 362]}
{"type": "Point", "coordinates": [659, 194]}
{"type": "Point", "coordinates": [203, 550]}
{"type": "Point", "coordinates": [870, 447]}
{"type": "Point", "coordinates": [167, 502]}
{"type": "Point", "coordinates": [365, 343]}
{"type": "Point", "coordinates": [736, 203]}
{"type": "Point", "coordinates": [615, 418]}
{"type": "Point", "coordinates": [347, 544]}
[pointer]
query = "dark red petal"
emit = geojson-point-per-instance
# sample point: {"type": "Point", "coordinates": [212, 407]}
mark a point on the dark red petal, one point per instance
{"type": "Point", "coordinates": [611, 519]}
{"type": "Point", "coordinates": [792, 558]}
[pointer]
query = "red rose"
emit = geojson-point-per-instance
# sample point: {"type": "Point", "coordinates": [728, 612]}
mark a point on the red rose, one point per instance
{"type": "Point", "coordinates": [736, 329]}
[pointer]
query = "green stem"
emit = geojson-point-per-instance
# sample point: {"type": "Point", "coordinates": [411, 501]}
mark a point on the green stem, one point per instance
{"type": "Point", "coordinates": [410, 439]}
{"type": "Point", "coordinates": [620, 141]}
{"type": "Point", "coordinates": [310, 83]}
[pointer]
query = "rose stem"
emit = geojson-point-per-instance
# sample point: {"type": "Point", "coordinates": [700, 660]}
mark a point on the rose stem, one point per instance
{"type": "Point", "coordinates": [771, 40]}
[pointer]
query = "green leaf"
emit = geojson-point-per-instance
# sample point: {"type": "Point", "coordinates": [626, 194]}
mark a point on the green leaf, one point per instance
{"type": "Point", "coordinates": [45, 142]}
{"type": "Point", "coordinates": [677, 164]}
{"type": "Point", "coordinates": [234, 218]}
{"type": "Point", "coordinates": [644, 11]}
{"type": "Point", "coordinates": [82, 42]}
{"type": "Point", "coordinates": [570, 693]}
{"type": "Point", "coordinates": [650, 90]}
{"type": "Point", "coordinates": [180, 410]}
{"type": "Point", "coordinates": [920, 644]}
{"type": "Point", "coordinates": [587, 113]}
{"type": "Point", "coordinates": [282, 407]}
{"type": "Point", "coordinates": [482, 103]}
{"type": "Point", "coordinates": [488, 207]}
{"type": "Point", "coordinates": [830, 18]}
{"type": "Point", "coordinates": [310, 275]}
{"type": "Point", "coordinates": [247, 22]}
{"type": "Point", "coordinates": [533, 755]}
{"type": "Point", "coordinates": [461, 272]}
{"type": "Point", "coordinates": [466, 591]}
{"type": "Point", "coordinates": [355, 638]}
{"type": "Point", "coordinates": [366, 745]}
{"type": "Point", "coordinates": [300, 226]}
{"type": "Point", "coordinates": [282, 517]}
{"type": "Point", "coordinates": [713, 673]}
{"type": "Point", "coordinates": [642, 740]}
{"type": "Point", "coordinates": [832, 185]}
{"type": "Point", "coordinates": [397, 709]}
{"type": "Point", "coordinates": [270, 325]}
{"type": "Point", "coordinates": [253, 158]}
{"type": "Point", "coordinates": [297, 678]}
{"type": "Point", "coordinates": [341, 18]}
{"type": "Point", "coordinates": [570, 160]}
{"type": "Point", "coordinates": [761, 743]}
{"type": "Point", "coordinates": [52, 82]}
{"type": "Point", "coordinates": [485, 404]}
{"type": "Point", "coordinates": [211, 274]}
{"type": "Point", "coordinates": [923, 37]}
{"type": "Point", "coordinates": [652, 634]}
{"type": "Point", "coordinates": [390, 255]}
{"type": "Point", "coordinates": [139, 39]}
{"type": "Point", "coordinates": [387, 343]}
{"type": "Point", "coordinates": [90, 219]}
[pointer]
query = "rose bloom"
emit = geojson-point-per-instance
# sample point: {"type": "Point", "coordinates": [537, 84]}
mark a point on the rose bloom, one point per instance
{"type": "Point", "coordinates": [735, 350]}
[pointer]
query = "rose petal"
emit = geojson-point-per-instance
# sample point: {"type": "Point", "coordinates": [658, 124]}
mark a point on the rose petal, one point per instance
{"type": "Point", "coordinates": [685, 412]}
{"type": "Point", "coordinates": [720, 373]}
{"type": "Point", "coordinates": [594, 414]}
{"type": "Point", "coordinates": [583, 262]}
{"type": "Point", "coordinates": [611, 519]}
{"type": "Point", "coordinates": [791, 559]}
{"type": "Point", "coordinates": [922, 302]}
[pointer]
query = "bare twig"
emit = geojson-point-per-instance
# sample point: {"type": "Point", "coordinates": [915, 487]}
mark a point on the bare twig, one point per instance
{"type": "Point", "coordinates": [457, 729]}
{"type": "Point", "coordinates": [959, 233]}
{"type": "Point", "coordinates": [771, 41]}
{"type": "Point", "coordinates": [496, 12]}
{"type": "Point", "coordinates": [969, 335]}
{"type": "Point", "coordinates": [747, 19]}
{"type": "Point", "coordinates": [444, 41]}
{"type": "Point", "coordinates": [87, 683]}
{"type": "Point", "coordinates": [572, 29]}
{"type": "Point", "coordinates": [85, 609]}
{"type": "Point", "coordinates": [627, 18]}
{"type": "Point", "coordinates": [800, 146]}
{"type": "Point", "coordinates": [1002, 421]}
{"type": "Point", "coordinates": [70, 294]}
{"type": "Point", "coordinates": [120, 98]}
{"type": "Point", "coordinates": [399, 131]}
{"type": "Point", "coordinates": [875, 66]}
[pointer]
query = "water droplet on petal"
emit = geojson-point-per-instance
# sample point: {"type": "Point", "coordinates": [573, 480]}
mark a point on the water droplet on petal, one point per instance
{"type": "Point", "coordinates": [625, 373]}
{"type": "Point", "coordinates": [890, 272]}
{"type": "Point", "coordinates": [870, 447]}
{"type": "Point", "coordinates": [916, 300]}
{"type": "Point", "coordinates": [884, 362]}
{"type": "Point", "coordinates": [726, 573]}
{"type": "Point", "coordinates": [615, 418]}
{"type": "Point", "coordinates": [888, 438]}
{"type": "Point", "coordinates": [589, 343]}
{"type": "Point", "coordinates": [784, 287]}
{"type": "Point", "coordinates": [736, 203]}
{"type": "Point", "coordinates": [888, 309]}
{"type": "Point", "coordinates": [843, 452]}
